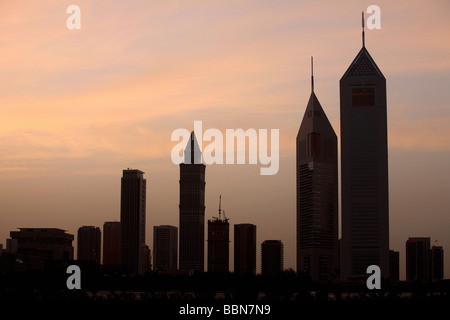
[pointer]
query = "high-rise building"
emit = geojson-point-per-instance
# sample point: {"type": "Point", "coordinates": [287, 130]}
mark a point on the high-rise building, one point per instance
{"type": "Point", "coordinates": [272, 257]}
{"type": "Point", "coordinates": [245, 248]}
{"type": "Point", "coordinates": [192, 209]}
{"type": "Point", "coordinates": [111, 243]}
{"type": "Point", "coordinates": [89, 240]}
{"type": "Point", "coordinates": [418, 259]}
{"type": "Point", "coordinates": [132, 221]}
{"type": "Point", "coordinates": [218, 243]}
{"type": "Point", "coordinates": [317, 194]}
{"type": "Point", "coordinates": [394, 265]}
{"type": "Point", "coordinates": [165, 248]}
{"type": "Point", "coordinates": [48, 243]}
{"type": "Point", "coordinates": [364, 168]}
{"type": "Point", "coordinates": [437, 263]}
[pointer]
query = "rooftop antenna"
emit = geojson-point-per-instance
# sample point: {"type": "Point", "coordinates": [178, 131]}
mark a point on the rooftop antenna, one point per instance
{"type": "Point", "coordinates": [312, 74]}
{"type": "Point", "coordinates": [312, 85]}
{"type": "Point", "coordinates": [363, 36]}
{"type": "Point", "coordinates": [220, 206]}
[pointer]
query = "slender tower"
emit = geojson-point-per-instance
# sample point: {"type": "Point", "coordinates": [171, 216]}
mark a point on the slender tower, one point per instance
{"type": "Point", "coordinates": [364, 168]}
{"type": "Point", "coordinates": [317, 193]}
{"type": "Point", "coordinates": [245, 248]}
{"type": "Point", "coordinates": [132, 221]}
{"type": "Point", "coordinates": [192, 209]}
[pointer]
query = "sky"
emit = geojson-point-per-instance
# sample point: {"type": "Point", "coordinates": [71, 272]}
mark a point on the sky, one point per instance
{"type": "Point", "coordinates": [79, 106]}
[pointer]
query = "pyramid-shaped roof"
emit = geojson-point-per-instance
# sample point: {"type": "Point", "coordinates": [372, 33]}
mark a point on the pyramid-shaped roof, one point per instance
{"type": "Point", "coordinates": [192, 153]}
{"type": "Point", "coordinates": [314, 109]}
{"type": "Point", "coordinates": [315, 116]}
{"type": "Point", "coordinates": [363, 66]}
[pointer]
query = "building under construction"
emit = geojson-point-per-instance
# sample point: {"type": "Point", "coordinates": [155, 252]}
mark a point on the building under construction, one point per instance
{"type": "Point", "coordinates": [218, 243]}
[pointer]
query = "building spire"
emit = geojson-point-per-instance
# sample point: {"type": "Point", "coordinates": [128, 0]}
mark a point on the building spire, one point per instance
{"type": "Point", "coordinates": [312, 74]}
{"type": "Point", "coordinates": [220, 206]}
{"type": "Point", "coordinates": [192, 147]}
{"type": "Point", "coordinates": [312, 86]}
{"type": "Point", "coordinates": [192, 153]}
{"type": "Point", "coordinates": [363, 36]}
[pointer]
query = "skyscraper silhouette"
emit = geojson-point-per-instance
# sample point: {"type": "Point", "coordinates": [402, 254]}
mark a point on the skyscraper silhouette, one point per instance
{"type": "Point", "coordinates": [364, 168]}
{"type": "Point", "coordinates": [111, 243]}
{"type": "Point", "coordinates": [165, 248]}
{"type": "Point", "coordinates": [317, 194]}
{"type": "Point", "coordinates": [418, 259]}
{"type": "Point", "coordinates": [192, 209]}
{"type": "Point", "coordinates": [218, 243]}
{"type": "Point", "coordinates": [132, 221]}
{"type": "Point", "coordinates": [437, 263]}
{"type": "Point", "coordinates": [245, 248]}
{"type": "Point", "coordinates": [394, 265]}
{"type": "Point", "coordinates": [89, 240]}
{"type": "Point", "coordinates": [272, 257]}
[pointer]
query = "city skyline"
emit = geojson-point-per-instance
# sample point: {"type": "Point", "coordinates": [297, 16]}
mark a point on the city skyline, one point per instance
{"type": "Point", "coordinates": [72, 120]}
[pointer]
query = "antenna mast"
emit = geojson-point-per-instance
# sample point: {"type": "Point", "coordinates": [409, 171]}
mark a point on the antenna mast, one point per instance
{"type": "Point", "coordinates": [220, 206]}
{"type": "Point", "coordinates": [312, 74]}
{"type": "Point", "coordinates": [363, 36]}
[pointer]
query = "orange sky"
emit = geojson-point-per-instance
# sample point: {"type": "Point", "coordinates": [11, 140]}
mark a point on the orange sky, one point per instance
{"type": "Point", "coordinates": [79, 106]}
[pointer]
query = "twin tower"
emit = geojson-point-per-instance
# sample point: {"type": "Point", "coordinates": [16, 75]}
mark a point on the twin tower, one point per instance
{"type": "Point", "coordinates": [364, 184]}
{"type": "Point", "coordinates": [364, 179]}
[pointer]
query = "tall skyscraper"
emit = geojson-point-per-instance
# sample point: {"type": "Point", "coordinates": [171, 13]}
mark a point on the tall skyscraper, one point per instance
{"type": "Point", "coordinates": [418, 259]}
{"type": "Point", "coordinates": [192, 209]}
{"type": "Point", "coordinates": [111, 243]}
{"type": "Point", "coordinates": [364, 168]}
{"type": "Point", "coordinates": [165, 248]}
{"type": "Point", "coordinates": [132, 221]}
{"type": "Point", "coordinates": [437, 263]}
{"type": "Point", "coordinates": [218, 243]}
{"type": "Point", "coordinates": [272, 257]}
{"type": "Point", "coordinates": [317, 193]}
{"type": "Point", "coordinates": [89, 240]}
{"type": "Point", "coordinates": [245, 248]}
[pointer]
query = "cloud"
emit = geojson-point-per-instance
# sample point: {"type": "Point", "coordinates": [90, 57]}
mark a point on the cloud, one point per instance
{"type": "Point", "coordinates": [430, 134]}
{"type": "Point", "coordinates": [231, 64]}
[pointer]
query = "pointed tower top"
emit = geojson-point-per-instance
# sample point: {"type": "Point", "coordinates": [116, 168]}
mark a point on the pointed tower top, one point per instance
{"type": "Point", "coordinates": [363, 36]}
{"type": "Point", "coordinates": [192, 153]}
{"type": "Point", "coordinates": [363, 65]}
{"type": "Point", "coordinates": [314, 118]}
